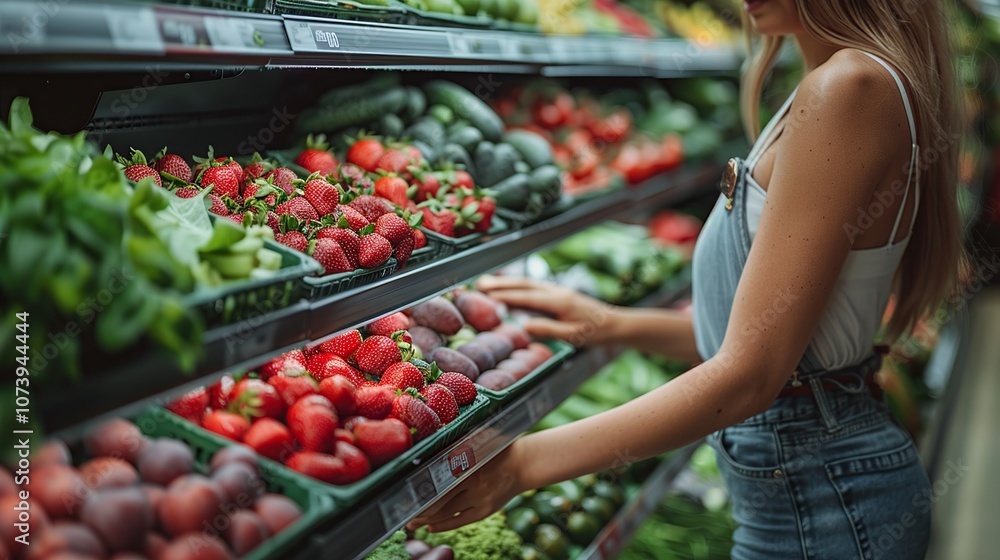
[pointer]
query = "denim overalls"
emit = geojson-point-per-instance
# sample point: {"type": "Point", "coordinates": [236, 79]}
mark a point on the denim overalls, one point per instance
{"type": "Point", "coordinates": [829, 476]}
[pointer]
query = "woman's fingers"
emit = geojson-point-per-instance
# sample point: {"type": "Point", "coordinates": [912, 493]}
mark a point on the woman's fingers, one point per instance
{"type": "Point", "coordinates": [490, 282]}
{"type": "Point", "coordinates": [541, 327]}
{"type": "Point", "coordinates": [469, 516]}
{"type": "Point", "coordinates": [446, 504]}
{"type": "Point", "coordinates": [539, 298]}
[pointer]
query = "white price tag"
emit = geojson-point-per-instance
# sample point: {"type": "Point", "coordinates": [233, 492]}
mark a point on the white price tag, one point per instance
{"type": "Point", "coordinates": [441, 474]}
{"type": "Point", "coordinates": [231, 34]}
{"type": "Point", "coordinates": [133, 29]}
{"type": "Point", "coordinates": [399, 507]}
{"type": "Point", "coordinates": [460, 44]}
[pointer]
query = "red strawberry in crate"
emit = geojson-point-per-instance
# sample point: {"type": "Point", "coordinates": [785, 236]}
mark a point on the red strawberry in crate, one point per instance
{"type": "Point", "coordinates": [292, 363]}
{"type": "Point", "coordinates": [256, 398]}
{"type": "Point", "coordinates": [389, 324]}
{"type": "Point", "coordinates": [442, 402]}
{"type": "Point", "coordinates": [256, 169]}
{"type": "Point", "coordinates": [218, 392]}
{"type": "Point", "coordinates": [427, 185]}
{"type": "Point", "coordinates": [191, 405]}
{"type": "Point", "coordinates": [282, 178]}
{"type": "Point", "coordinates": [347, 464]}
{"type": "Point", "coordinates": [137, 169]}
{"type": "Point", "coordinates": [375, 402]}
{"type": "Point", "coordinates": [186, 192]}
{"type": "Point", "coordinates": [416, 158]}
{"type": "Point", "coordinates": [327, 365]}
{"type": "Point", "coordinates": [366, 152]}
{"type": "Point", "coordinates": [224, 180]}
{"type": "Point", "coordinates": [463, 180]}
{"type": "Point", "coordinates": [403, 250]}
{"type": "Point", "coordinates": [312, 421]}
{"type": "Point", "coordinates": [383, 440]}
{"type": "Point", "coordinates": [331, 255]}
{"type": "Point", "coordinates": [345, 435]}
{"type": "Point", "coordinates": [402, 375]}
{"type": "Point", "coordinates": [173, 166]}
{"type": "Point", "coordinates": [355, 219]}
{"type": "Point", "coordinates": [392, 188]}
{"type": "Point", "coordinates": [374, 250]}
{"type": "Point", "coordinates": [340, 391]}
{"type": "Point", "coordinates": [323, 196]}
{"type": "Point", "coordinates": [227, 424]}
{"type": "Point", "coordinates": [270, 438]}
{"type": "Point", "coordinates": [298, 207]}
{"type": "Point", "coordinates": [392, 227]}
{"type": "Point", "coordinates": [378, 352]}
{"type": "Point", "coordinates": [352, 422]}
{"type": "Point", "coordinates": [344, 344]}
{"type": "Point", "coordinates": [416, 414]}
{"type": "Point", "coordinates": [419, 239]}
{"type": "Point", "coordinates": [371, 207]}
{"type": "Point", "coordinates": [294, 240]}
{"type": "Point", "coordinates": [293, 388]}
{"type": "Point", "coordinates": [347, 238]}
{"type": "Point", "coordinates": [461, 386]}
{"type": "Point", "coordinates": [479, 211]}
{"type": "Point", "coordinates": [261, 190]}
{"type": "Point", "coordinates": [393, 161]}
{"type": "Point", "coordinates": [317, 157]}
{"type": "Point", "coordinates": [218, 206]}
{"type": "Point", "coordinates": [353, 176]}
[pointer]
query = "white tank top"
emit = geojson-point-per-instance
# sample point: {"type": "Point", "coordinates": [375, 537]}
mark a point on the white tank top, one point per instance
{"type": "Point", "coordinates": [853, 316]}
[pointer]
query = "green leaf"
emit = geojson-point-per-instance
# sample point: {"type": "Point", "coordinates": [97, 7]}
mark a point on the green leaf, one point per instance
{"type": "Point", "coordinates": [224, 234]}
{"type": "Point", "coordinates": [20, 117]}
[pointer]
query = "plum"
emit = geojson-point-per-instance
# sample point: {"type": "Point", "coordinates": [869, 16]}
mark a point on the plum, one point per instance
{"type": "Point", "coordinates": [234, 453]}
{"type": "Point", "coordinates": [163, 460]}
{"type": "Point", "coordinates": [59, 488]}
{"type": "Point", "coordinates": [515, 367]}
{"type": "Point", "coordinates": [246, 531]}
{"type": "Point", "coordinates": [531, 359]}
{"type": "Point", "coordinates": [277, 511]}
{"type": "Point", "coordinates": [478, 309]}
{"type": "Point", "coordinates": [7, 485]}
{"type": "Point", "coordinates": [240, 483]}
{"type": "Point", "coordinates": [517, 335]}
{"type": "Point", "coordinates": [120, 516]}
{"type": "Point", "coordinates": [196, 546]}
{"type": "Point", "coordinates": [108, 472]}
{"type": "Point", "coordinates": [438, 314]}
{"type": "Point", "coordinates": [424, 338]}
{"type": "Point", "coordinates": [69, 536]}
{"type": "Point", "coordinates": [540, 350]}
{"type": "Point", "coordinates": [478, 353]}
{"type": "Point", "coordinates": [53, 452]}
{"type": "Point", "coordinates": [154, 494]}
{"type": "Point", "coordinates": [496, 379]}
{"type": "Point", "coordinates": [128, 556]}
{"type": "Point", "coordinates": [453, 360]}
{"type": "Point", "coordinates": [190, 502]}
{"type": "Point", "coordinates": [500, 346]}
{"type": "Point", "coordinates": [11, 508]}
{"type": "Point", "coordinates": [116, 438]}
{"type": "Point", "coordinates": [154, 545]}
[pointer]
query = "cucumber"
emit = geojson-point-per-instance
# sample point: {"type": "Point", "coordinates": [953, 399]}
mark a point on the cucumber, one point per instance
{"type": "Point", "coordinates": [442, 113]}
{"type": "Point", "coordinates": [513, 192]}
{"type": "Point", "coordinates": [495, 162]}
{"type": "Point", "coordinates": [456, 154]}
{"type": "Point", "coordinates": [344, 94]}
{"type": "Point", "coordinates": [428, 130]}
{"type": "Point", "coordinates": [466, 106]}
{"type": "Point", "coordinates": [428, 152]}
{"type": "Point", "coordinates": [522, 167]}
{"type": "Point", "coordinates": [353, 111]}
{"type": "Point", "coordinates": [547, 181]}
{"type": "Point", "coordinates": [535, 150]}
{"type": "Point", "coordinates": [466, 136]}
{"type": "Point", "coordinates": [416, 103]}
{"type": "Point", "coordinates": [391, 125]}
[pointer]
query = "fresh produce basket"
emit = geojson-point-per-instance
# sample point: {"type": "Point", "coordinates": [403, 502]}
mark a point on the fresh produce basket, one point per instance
{"type": "Point", "coordinates": [237, 301]}
{"type": "Point", "coordinates": [383, 11]}
{"type": "Point", "coordinates": [448, 246]}
{"type": "Point", "coordinates": [316, 507]}
{"type": "Point", "coordinates": [322, 286]}
{"type": "Point", "coordinates": [424, 254]}
{"type": "Point", "coordinates": [560, 352]}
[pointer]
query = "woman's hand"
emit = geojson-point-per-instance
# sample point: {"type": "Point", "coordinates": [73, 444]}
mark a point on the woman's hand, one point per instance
{"type": "Point", "coordinates": [486, 491]}
{"type": "Point", "coordinates": [576, 318]}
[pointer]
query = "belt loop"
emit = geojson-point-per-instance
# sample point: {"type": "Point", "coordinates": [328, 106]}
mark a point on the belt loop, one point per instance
{"type": "Point", "coordinates": [825, 413]}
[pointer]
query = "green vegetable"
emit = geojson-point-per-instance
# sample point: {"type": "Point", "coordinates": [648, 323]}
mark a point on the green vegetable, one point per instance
{"type": "Point", "coordinates": [535, 150]}
{"type": "Point", "coordinates": [552, 507]}
{"type": "Point", "coordinates": [523, 521]}
{"type": "Point", "coordinates": [391, 125]}
{"type": "Point", "coordinates": [528, 12]}
{"type": "Point", "coordinates": [495, 162]}
{"type": "Point", "coordinates": [352, 111]}
{"type": "Point", "coordinates": [567, 489]}
{"type": "Point", "coordinates": [455, 154]}
{"type": "Point", "coordinates": [601, 508]}
{"type": "Point", "coordinates": [489, 539]}
{"type": "Point", "coordinates": [551, 541]}
{"type": "Point", "coordinates": [428, 130]}
{"type": "Point", "coordinates": [530, 552]}
{"type": "Point", "coordinates": [468, 137]}
{"type": "Point", "coordinates": [416, 103]}
{"type": "Point", "coordinates": [469, 7]}
{"type": "Point", "coordinates": [442, 113]}
{"type": "Point", "coordinates": [344, 94]}
{"type": "Point", "coordinates": [507, 9]}
{"type": "Point", "coordinates": [466, 106]}
{"type": "Point", "coordinates": [609, 491]}
{"type": "Point", "coordinates": [391, 548]}
{"type": "Point", "coordinates": [513, 192]}
{"type": "Point", "coordinates": [582, 527]}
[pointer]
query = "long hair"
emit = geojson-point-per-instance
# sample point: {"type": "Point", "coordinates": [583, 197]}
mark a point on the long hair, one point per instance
{"type": "Point", "coordinates": [912, 36]}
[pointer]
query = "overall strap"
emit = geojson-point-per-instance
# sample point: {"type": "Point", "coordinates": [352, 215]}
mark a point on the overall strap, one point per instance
{"type": "Point", "coordinates": [914, 173]}
{"type": "Point", "coordinates": [768, 135]}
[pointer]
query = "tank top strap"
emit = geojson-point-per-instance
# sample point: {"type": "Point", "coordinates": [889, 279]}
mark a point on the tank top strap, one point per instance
{"type": "Point", "coordinates": [769, 134]}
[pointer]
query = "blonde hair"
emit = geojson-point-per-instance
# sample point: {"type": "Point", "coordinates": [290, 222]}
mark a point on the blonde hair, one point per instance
{"type": "Point", "coordinates": [911, 35]}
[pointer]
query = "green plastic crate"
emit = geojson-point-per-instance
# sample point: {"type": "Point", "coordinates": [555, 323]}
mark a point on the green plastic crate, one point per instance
{"type": "Point", "coordinates": [241, 300]}
{"type": "Point", "coordinates": [389, 12]}
{"type": "Point", "coordinates": [448, 246]}
{"type": "Point", "coordinates": [560, 352]}
{"type": "Point", "coordinates": [321, 286]}
{"type": "Point", "coordinates": [423, 255]}
{"type": "Point", "coordinates": [316, 507]}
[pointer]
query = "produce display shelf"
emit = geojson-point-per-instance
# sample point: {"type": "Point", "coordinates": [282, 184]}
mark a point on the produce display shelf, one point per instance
{"type": "Point", "coordinates": [358, 531]}
{"type": "Point", "coordinates": [616, 534]}
{"type": "Point", "coordinates": [119, 36]}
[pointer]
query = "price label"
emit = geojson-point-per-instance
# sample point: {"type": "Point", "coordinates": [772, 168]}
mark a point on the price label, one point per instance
{"type": "Point", "coordinates": [231, 34]}
{"type": "Point", "coordinates": [133, 29]}
{"type": "Point", "coordinates": [459, 44]}
{"type": "Point", "coordinates": [399, 507]}
{"type": "Point", "coordinates": [445, 471]}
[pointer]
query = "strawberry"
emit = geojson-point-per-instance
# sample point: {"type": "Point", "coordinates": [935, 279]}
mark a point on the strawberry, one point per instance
{"type": "Point", "coordinates": [427, 185]}
{"type": "Point", "coordinates": [136, 168]}
{"type": "Point", "coordinates": [330, 254]}
{"type": "Point", "coordinates": [218, 206]}
{"type": "Point", "coordinates": [371, 207]}
{"type": "Point", "coordinates": [352, 422]}
{"type": "Point", "coordinates": [191, 405]}
{"type": "Point", "coordinates": [293, 239]}
{"type": "Point", "coordinates": [392, 188]}
{"type": "Point", "coordinates": [262, 190]}
{"type": "Point", "coordinates": [355, 219]}
{"type": "Point", "coordinates": [173, 166]}
{"type": "Point", "coordinates": [480, 211]}
{"type": "Point", "coordinates": [340, 391]}
{"type": "Point", "coordinates": [392, 227]}
{"type": "Point", "coordinates": [345, 435]}
{"type": "Point", "coordinates": [218, 392]}
{"type": "Point", "coordinates": [226, 181]}
{"type": "Point", "coordinates": [298, 207]}
{"type": "Point", "coordinates": [374, 402]}
{"type": "Point", "coordinates": [226, 424]}
{"type": "Point", "coordinates": [412, 152]}
{"type": "Point", "coordinates": [461, 386]}
{"type": "Point", "coordinates": [441, 220]}
{"type": "Point", "coordinates": [344, 344]}
{"type": "Point", "coordinates": [383, 440]}
{"type": "Point", "coordinates": [348, 239]}
{"type": "Point", "coordinates": [274, 222]}
{"type": "Point", "coordinates": [329, 364]}
{"type": "Point", "coordinates": [313, 423]}
{"type": "Point", "coordinates": [378, 352]}
{"type": "Point", "coordinates": [292, 363]}
{"type": "Point", "coordinates": [270, 438]}
{"type": "Point", "coordinates": [347, 464]}
{"type": "Point", "coordinates": [416, 414]}
{"type": "Point", "coordinates": [442, 402]}
{"type": "Point", "coordinates": [257, 168]}
{"type": "Point", "coordinates": [317, 157]}
{"type": "Point", "coordinates": [264, 399]}
{"type": "Point", "coordinates": [389, 324]}
{"type": "Point", "coordinates": [232, 164]}
{"type": "Point", "coordinates": [236, 218]}
{"type": "Point", "coordinates": [293, 388]}
{"type": "Point", "coordinates": [402, 375]}
{"type": "Point", "coordinates": [374, 250]}
{"type": "Point", "coordinates": [282, 178]}
{"type": "Point", "coordinates": [323, 196]}
{"type": "Point", "coordinates": [366, 153]}
{"type": "Point", "coordinates": [463, 180]}
{"type": "Point", "coordinates": [403, 251]}
{"type": "Point", "coordinates": [186, 192]}
{"type": "Point", "coordinates": [393, 161]}
{"type": "Point", "coordinates": [419, 239]}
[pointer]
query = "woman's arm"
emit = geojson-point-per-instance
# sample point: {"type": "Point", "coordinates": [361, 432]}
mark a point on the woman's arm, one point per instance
{"type": "Point", "coordinates": [837, 148]}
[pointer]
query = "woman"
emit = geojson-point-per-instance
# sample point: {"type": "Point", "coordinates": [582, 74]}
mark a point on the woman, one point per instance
{"type": "Point", "coordinates": [848, 195]}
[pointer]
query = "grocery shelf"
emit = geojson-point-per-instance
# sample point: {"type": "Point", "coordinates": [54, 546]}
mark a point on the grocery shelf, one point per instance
{"type": "Point", "coordinates": [120, 36]}
{"type": "Point", "coordinates": [616, 534]}
{"type": "Point", "coordinates": [359, 531]}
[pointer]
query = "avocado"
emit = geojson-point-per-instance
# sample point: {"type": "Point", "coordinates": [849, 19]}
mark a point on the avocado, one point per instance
{"type": "Point", "coordinates": [609, 491]}
{"type": "Point", "coordinates": [600, 508]}
{"type": "Point", "coordinates": [523, 521]}
{"type": "Point", "coordinates": [551, 541]}
{"type": "Point", "coordinates": [495, 162]}
{"type": "Point", "coordinates": [529, 552]}
{"type": "Point", "coordinates": [582, 527]}
{"type": "Point", "coordinates": [568, 489]}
